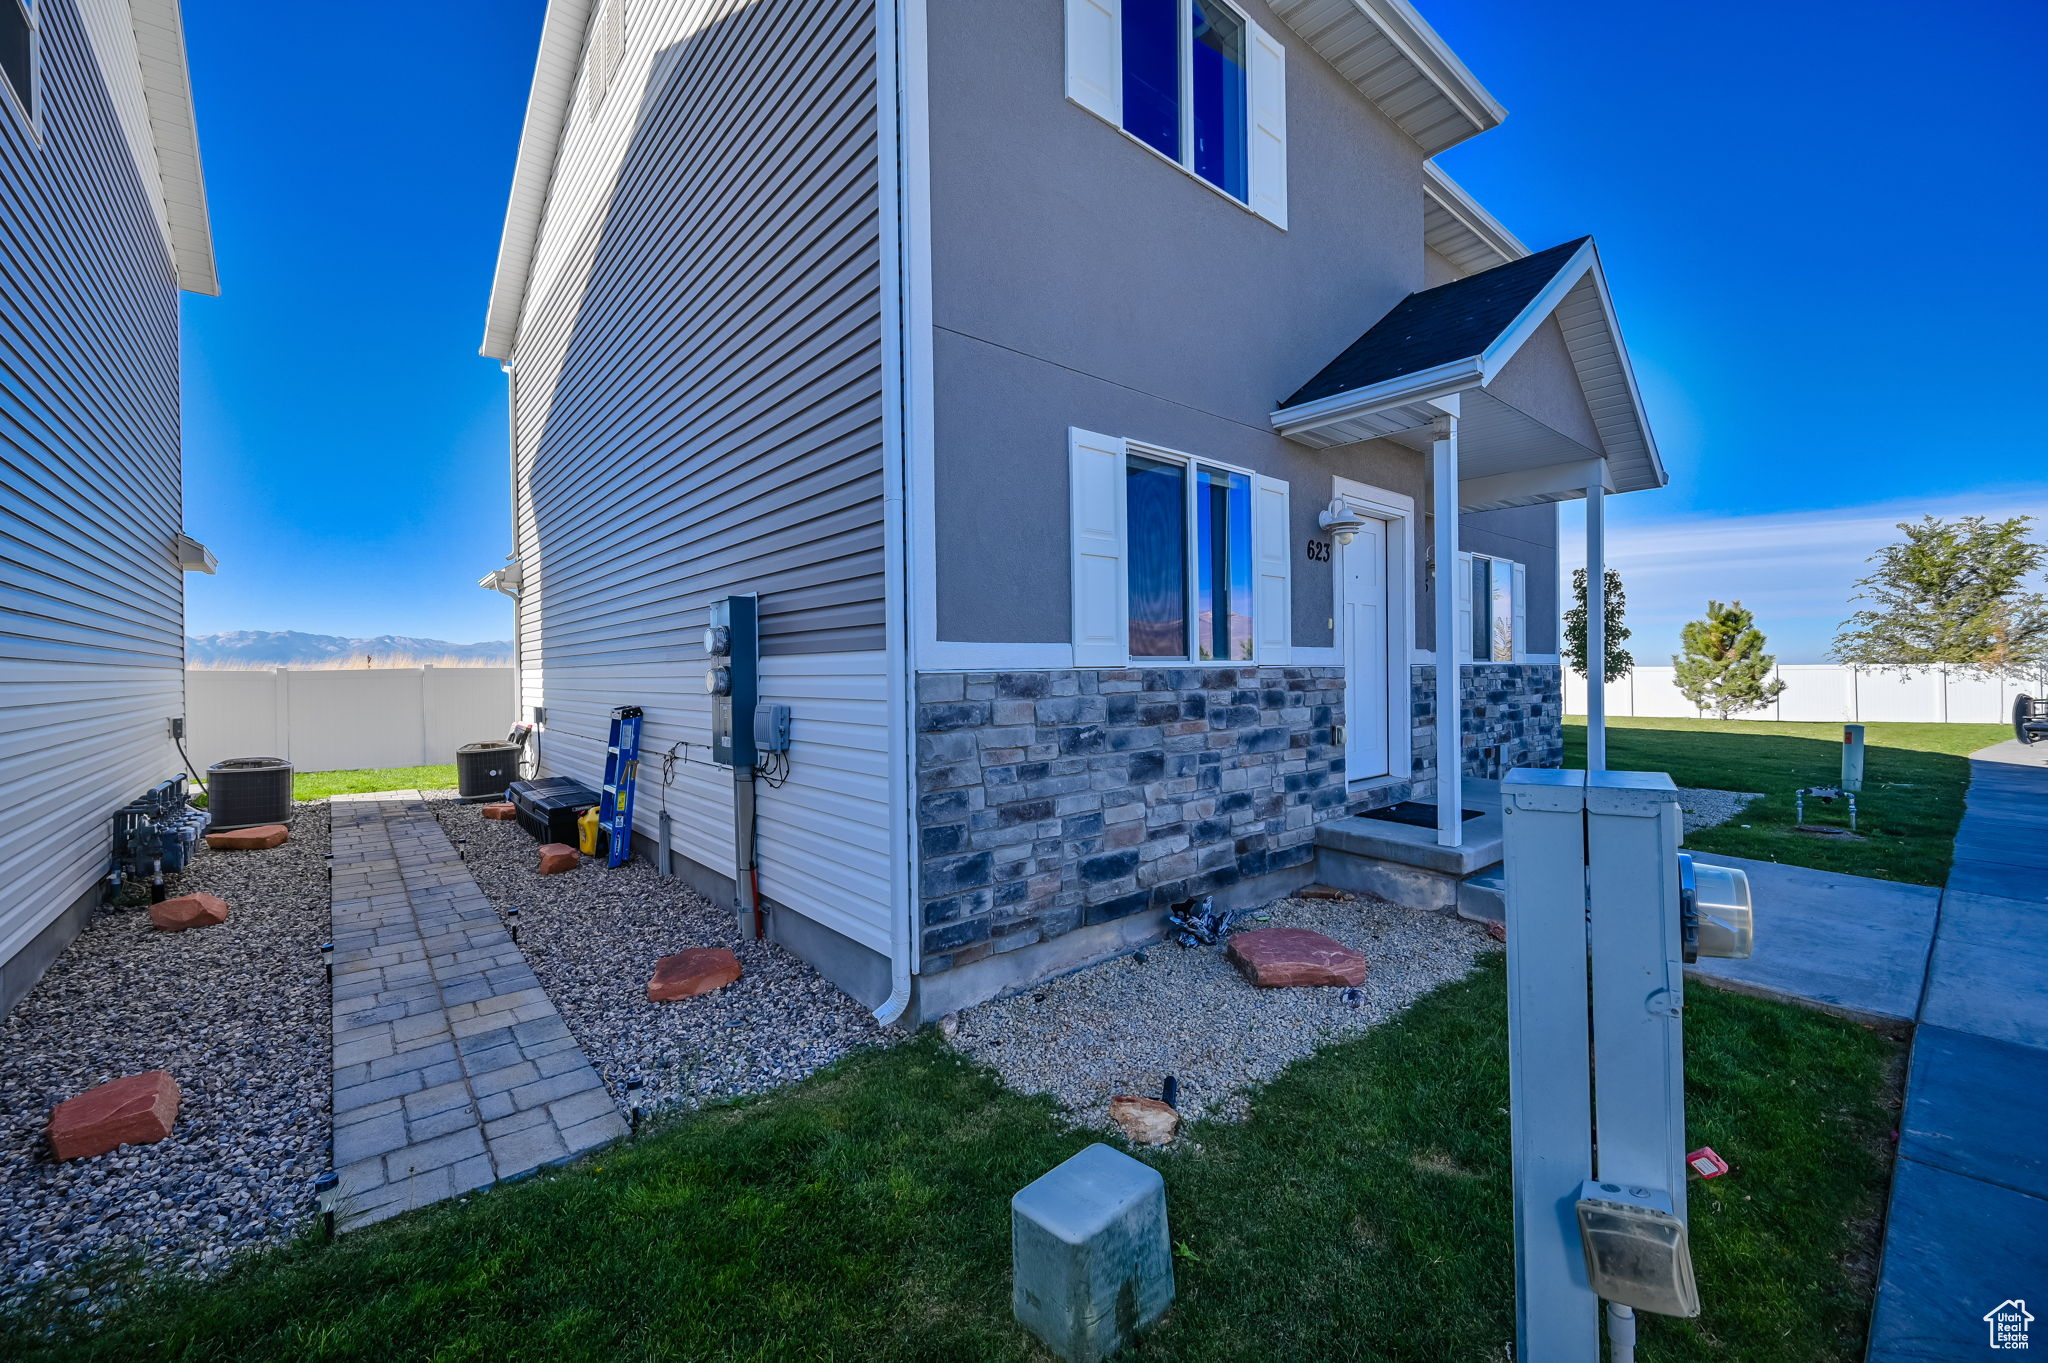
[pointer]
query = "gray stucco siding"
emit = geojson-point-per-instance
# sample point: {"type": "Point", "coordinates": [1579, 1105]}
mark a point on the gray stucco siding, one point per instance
{"type": "Point", "coordinates": [1528, 535]}
{"type": "Point", "coordinates": [1541, 381]}
{"type": "Point", "coordinates": [1001, 503]}
{"type": "Point", "coordinates": [93, 600]}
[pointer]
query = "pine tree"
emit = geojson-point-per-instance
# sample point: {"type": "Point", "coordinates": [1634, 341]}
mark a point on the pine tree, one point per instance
{"type": "Point", "coordinates": [1952, 592]}
{"type": "Point", "coordinates": [1620, 662]}
{"type": "Point", "coordinates": [1724, 667]}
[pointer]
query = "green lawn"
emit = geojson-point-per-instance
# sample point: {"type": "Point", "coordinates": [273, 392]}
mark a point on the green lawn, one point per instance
{"type": "Point", "coordinates": [1912, 799]}
{"type": "Point", "coordinates": [318, 785]}
{"type": "Point", "coordinates": [1362, 1212]}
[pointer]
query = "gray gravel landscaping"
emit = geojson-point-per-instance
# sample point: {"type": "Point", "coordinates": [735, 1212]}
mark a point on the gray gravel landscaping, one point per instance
{"type": "Point", "coordinates": [239, 1016]}
{"type": "Point", "coordinates": [593, 935]}
{"type": "Point", "coordinates": [1122, 1026]}
{"type": "Point", "coordinates": [1705, 807]}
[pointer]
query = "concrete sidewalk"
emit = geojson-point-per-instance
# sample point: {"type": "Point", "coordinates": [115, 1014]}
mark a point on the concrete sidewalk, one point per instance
{"type": "Point", "coordinates": [1847, 944]}
{"type": "Point", "coordinates": [1968, 1226]}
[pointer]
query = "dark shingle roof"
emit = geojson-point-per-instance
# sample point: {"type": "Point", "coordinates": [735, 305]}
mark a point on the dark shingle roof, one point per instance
{"type": "Point", "coordinates": [1453, 321]}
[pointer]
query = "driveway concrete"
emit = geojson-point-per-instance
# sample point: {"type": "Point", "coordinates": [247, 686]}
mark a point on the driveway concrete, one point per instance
{"type": "Point", "coordinates": [1968, 1226]}
{"type": "Point", "coordinates": [1848, 944]}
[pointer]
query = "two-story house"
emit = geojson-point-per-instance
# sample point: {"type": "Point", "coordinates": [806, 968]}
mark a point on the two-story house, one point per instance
{"type": "Point", "coordinates": [1115, 411]}
{"type": "Point", "coordinates": [102, 223]}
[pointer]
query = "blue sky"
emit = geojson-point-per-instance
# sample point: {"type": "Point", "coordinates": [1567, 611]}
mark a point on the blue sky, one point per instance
{"type": "Point", "coordinates": [1817, 219]}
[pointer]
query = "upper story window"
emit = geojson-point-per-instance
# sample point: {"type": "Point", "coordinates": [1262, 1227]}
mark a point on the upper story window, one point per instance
{"type": "Point", "coordinates": [18, 54]}
{"type": "Point", "coordinates": [1196, 81]}
{"type": "Point", "coordinates": [1175, 558]}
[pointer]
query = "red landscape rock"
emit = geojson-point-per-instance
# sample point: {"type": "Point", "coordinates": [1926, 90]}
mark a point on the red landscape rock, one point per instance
{"type": "Point", "coordinates": [1147, 1121]}
{"type": "Point", "coordinates": [131, 1111]}
{"type": "Point", "coordinates": [690, 973]}
{"type": "Point", "coordinates": [556, 857]}
{"type": "Point", "coordinates": [189, 911]}
{"type": "Point", "coordinates": [1277, 958]}
{"type": "Point", "coordinates": [1497, 931]}
{"type": "Point", "coordinates": [502, 809]}
{"type": "Point", "coordinates": [1322, 892]}
{"type": "Point", "coordinates": [249, 839]}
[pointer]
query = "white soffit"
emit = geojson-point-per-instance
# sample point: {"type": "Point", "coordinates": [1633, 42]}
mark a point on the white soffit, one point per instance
{"type": "Point", "coordinates": [174, 132]}
{"type": "Point", "coordinates": [540, 141]}
{"type": "Point", "coordinates": [1458, 229]}
{"type": "Point", "coordinates": [1396, 60]}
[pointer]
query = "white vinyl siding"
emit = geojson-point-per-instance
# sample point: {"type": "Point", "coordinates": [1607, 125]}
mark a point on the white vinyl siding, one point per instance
{"type": "Point", "coordinates": [93, 608]}
{"type": "Point", "coordinates": [1272, 565]}
{"type": "Point", "coordinates": [1095, 469]}
{"type": "Point", "coordinates": [698, 412]}
{"type": "Point", "coordinates": [1094, 80]}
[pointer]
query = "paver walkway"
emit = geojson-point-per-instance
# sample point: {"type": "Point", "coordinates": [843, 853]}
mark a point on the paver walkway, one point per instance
{"type": "Point", "coordinates": [1968, 1227]}
{"type": "Point", "coordinates": [452, 1069]}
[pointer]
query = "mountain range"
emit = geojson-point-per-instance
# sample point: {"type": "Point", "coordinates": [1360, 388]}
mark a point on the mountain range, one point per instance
{"type": "Point", "coordinates": [291, 648]}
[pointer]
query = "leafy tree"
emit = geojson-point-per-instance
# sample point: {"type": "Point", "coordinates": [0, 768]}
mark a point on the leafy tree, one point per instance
{"type": "Point", "coordinates": [1620, 662]}
{"type": "Point", "coordinates": [1952, 592]}
{"type": "Point", "coordinates": [1724, 667]}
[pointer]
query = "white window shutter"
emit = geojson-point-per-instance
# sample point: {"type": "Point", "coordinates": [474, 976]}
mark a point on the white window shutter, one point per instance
{"type": "Point", "coordinates": [1461, 647]}
{"type": "Point", "coordinates": [1268, 132]}
{"type": "Point", "coordinates": [1521, 611]}
{"type": "Point", "coordinates": [1095, 494]}
{"type": "Point", "coordinates": [1095, 57]}
{"type": "Point", "coordinates": [1272, 565]}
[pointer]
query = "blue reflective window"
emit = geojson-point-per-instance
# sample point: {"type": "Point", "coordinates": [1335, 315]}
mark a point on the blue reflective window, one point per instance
{"type": "Point", "coordinates": [1152, 73]}
{"type": "Point", "coordinates": [1223, 565]}
{"type": "Point", "coordinates": [1217, 94]}
{"type": "Point", "coordinates": [1185, 91]}
{"type": "Point", "coordinates": [1155, 511]}
{"type": "Point", "coordinates": [17, 51]}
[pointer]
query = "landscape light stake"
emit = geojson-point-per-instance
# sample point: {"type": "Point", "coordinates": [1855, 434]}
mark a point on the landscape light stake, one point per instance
{"type": "Point", "coordinates": [633, 1102]}
{"type": "Point", "coordinates": [327, 959]}
{"type": "Point", "coordinates": [512, 923]}
{"type": "Point", "coordinates": [327, 1192]}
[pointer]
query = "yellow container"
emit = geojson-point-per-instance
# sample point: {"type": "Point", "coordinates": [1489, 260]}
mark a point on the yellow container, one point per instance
{"type": "Point", "coordinates": [586, 831]}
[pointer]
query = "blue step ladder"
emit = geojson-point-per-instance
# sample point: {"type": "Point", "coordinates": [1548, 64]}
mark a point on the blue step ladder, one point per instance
{"type": "Point", "coordinates": [621, 778]}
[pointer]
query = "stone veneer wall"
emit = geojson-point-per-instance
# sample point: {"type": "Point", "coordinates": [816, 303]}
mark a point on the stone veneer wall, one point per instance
{"type": "Point", "coordinates": [1514, 717]}
{"type": "Point", "coordinates": [1051, 800]}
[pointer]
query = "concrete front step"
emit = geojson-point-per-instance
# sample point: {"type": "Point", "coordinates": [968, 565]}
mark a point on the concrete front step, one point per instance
{"type": "Point", "coordinates": [1483, 897]}
{"type": "Point", "coordinates": [1404, 863]}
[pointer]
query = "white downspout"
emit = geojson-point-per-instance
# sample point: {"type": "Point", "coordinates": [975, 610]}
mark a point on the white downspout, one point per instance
{"type": "Point", "coordinates": [1450, 709]}
{"type": "Point", "coordinates": [1596, 627]}
{"type": "Point", "coordinates": [899, 37]}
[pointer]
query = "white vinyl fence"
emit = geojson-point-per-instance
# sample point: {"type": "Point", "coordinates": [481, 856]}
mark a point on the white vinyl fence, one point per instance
{"type": "Point", "coordinates": [1830, 693]}
{"type": "Point", "coordinates": [323, 719]}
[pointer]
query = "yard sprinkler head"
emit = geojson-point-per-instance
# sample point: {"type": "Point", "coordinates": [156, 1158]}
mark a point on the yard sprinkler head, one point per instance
{"type": "Point", "coordinates": [326, 1195]}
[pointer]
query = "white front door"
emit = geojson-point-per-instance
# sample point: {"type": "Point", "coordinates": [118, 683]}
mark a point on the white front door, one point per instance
{"type": "Point", "coordinates": [1363, 574]}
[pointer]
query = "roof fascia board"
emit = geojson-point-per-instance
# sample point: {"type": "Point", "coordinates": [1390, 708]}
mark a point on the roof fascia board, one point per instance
{"type": "Point", "coordinates": [1517, 332]}
{"type": "Point", "coordinates": [1598, 276]}
{"type": "Point", "coordinates": [1484, 227]}
{"type": "Point", "coordinates": [1432, 56]}
{"type": "Point", "coordinates": [540, 144]}
{"type": "Point", "coordinates": [1454, 377]}
{"type": "Point", "coordinates": [167, 94]}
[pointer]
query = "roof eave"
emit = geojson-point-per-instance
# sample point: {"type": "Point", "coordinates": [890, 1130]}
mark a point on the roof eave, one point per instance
{"type": "Point", "coordinates": [1384, 48]}
{"type": "Point", "coordinates": [1474, 225]}
{"type": "Point", "coordinates": [167, 95]}
{"type": "Point", "coordinates": [540, 142]}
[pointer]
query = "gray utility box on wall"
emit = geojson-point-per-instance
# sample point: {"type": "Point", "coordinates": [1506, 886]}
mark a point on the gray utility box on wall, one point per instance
{"type": "Point", "coordinates": [733, 643]}
{"type": "Point", "coordinates": [1090, 1255]}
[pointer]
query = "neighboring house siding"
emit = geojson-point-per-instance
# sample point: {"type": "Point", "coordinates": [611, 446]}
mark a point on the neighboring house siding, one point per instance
{"type": "Point", "coordinates": [89, 487]}
{"type": "Point", "coordinates": [698, 413]}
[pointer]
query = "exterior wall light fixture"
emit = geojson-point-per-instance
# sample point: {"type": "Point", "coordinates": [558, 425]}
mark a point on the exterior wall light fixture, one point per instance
{"type": "Point", "coordinates": [1340, 520]}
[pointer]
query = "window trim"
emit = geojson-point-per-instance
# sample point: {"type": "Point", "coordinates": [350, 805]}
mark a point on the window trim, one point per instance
{"type": "Point", "coordinates": [29, 112]}
{"type": "Point", "coordinates": [1085, 88]}
{"type": "Point", "coordinates": [1092, 651]}
{"type": "Point", "coordinates": [1518, 608]}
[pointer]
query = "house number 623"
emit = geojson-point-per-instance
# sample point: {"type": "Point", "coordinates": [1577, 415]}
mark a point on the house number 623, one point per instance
{"type": "Point", "coordinates": [1318, 551]}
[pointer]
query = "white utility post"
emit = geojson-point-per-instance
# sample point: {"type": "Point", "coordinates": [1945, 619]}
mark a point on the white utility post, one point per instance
{"type": "Point", "coordinates": [1450, 709]}
{"type": "Point", "coordinates": [1596, 627]}
{"type": "Point", "coordinates": [1596, 951]}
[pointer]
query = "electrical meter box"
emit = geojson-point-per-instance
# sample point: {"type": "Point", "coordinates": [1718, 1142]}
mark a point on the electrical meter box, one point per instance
{"type": "Point", "coordinates": [771, 728]}
{"type": "Point", "coordinates": [732, 647]}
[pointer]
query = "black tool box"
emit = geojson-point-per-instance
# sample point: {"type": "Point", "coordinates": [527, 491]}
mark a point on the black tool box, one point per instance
{"type": "Point", "coordinates": [549, 807]}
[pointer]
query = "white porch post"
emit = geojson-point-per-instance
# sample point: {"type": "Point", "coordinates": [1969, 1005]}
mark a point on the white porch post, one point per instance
{"type": "Point", "coordinates": [1450, 767]}
{"type": "Point", "coordinates": [1596, 627]}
